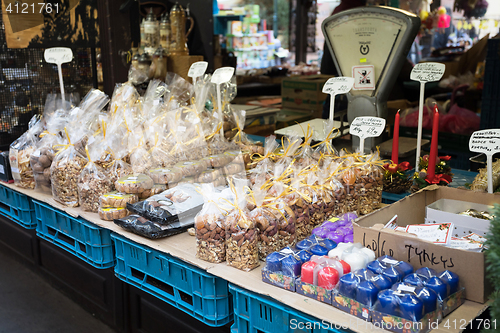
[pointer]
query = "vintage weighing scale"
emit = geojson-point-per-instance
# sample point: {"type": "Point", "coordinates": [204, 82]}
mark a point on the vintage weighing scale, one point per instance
{"type": "Point", "coordinates": [370, 44]}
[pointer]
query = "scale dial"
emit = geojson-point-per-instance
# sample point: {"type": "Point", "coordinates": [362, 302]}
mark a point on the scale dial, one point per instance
{"type": "Point", "coordinates": [365, 38]}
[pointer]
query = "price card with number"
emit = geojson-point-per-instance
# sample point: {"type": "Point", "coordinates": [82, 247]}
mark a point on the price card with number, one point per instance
{"type": "Point", "coordinates": [335, 86]}
{"type": "Point", "coordinates": [366, 127]}
{"type": "Point", "coordinates": [59, 56]}
{"type": "Point", "coordinates": [488, 143]}
{"type": "Point", "coordinates": [197, 69]}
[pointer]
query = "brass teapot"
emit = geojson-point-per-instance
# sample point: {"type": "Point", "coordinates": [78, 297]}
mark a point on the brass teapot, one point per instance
{"type": "Point", "coordinates": [178, 17]}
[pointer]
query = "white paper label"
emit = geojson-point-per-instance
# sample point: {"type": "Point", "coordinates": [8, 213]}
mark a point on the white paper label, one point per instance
{"type": "Point", "coordinates": [286, 251]}
{"type": "Point", "coordinates": [338, 85]}
{"type": "Point", "coordinates": [58, 55]}
{"type": "Point", "coordinates": [438, 233]}
{"type": "Point", "coordinates": [222, 75]}
{"type": "Point", "coordinates": [364, 77]}
{"type": "Point", "coordinates": [2, 169]}
{"type": "Point", "coordinates": [427, 72]}
{"type": "Point", "coordinates": [367, 127]}
{"type": "Point", "coordinates": [390, 261]}
{"type": "Point", "coordinates": [198, 69]}
{"type": "Point", "coordinates": [181, 128]}
{"type": "Point", "coordinates": [406, 288]}
{"type": "Point", "coordinates": [485, 141]}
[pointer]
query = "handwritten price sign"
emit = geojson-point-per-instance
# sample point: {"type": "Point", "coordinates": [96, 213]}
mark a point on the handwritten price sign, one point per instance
{"type": "Point", "coordinates": [58, 55]}
{"type": "Point", "coordinates": [338, 85]}
{"type": "Point", "coordinates": [222, 75]}
{"type": "Point", "coordinates": [427, 72]}
{"type": "Point", "coordinates": [488, 143]}
{"type": "Point", "coordinates": [367, 127]}
{"type": "Point", "coordinates": [198, 69]}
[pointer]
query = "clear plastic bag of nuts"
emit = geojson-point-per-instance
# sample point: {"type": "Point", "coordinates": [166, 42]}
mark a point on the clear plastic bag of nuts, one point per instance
{"type": "Point", "coordinates": [284, 214]}
{"type": "Point", "coordinates": [210, 230]}
{"type": "Point", "coordinates": [298, 203]}
{"type": "Point", "coordinates": [348, 178]}
{"type": "Point", "coordinates": [371, 182]}
{"type": "Point", "coordinates": [316, 208]}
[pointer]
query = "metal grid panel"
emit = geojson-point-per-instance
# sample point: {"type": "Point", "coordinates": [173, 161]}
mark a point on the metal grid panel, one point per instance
{"type": "Point", "coordinates": [25, 81]}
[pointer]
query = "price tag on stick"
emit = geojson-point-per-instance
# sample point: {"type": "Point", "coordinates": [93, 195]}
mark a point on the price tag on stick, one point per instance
{"type": "Point", "coordinates": [335, 86]}
{"type": "Point", "coordinates": [219, 77]}
{"type": "Point", "coordinates": [423, 73]}
{"type": "Point", "coordinates": [59, 56]}
{"type": "Point", "coordinates": [366, 127]}
{"type": "Point", "coordinates": [488, 143]}
{"type": "Point", "coordinates": [197, 69]}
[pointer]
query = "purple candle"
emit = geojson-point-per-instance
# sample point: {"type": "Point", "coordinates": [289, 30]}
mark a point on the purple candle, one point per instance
{"type": "Point", "coordinates": [335, 236]}
{"type": "Point", "coordinates": [388, 302]}
{"type": "Point", "coordinates": [415, 279]}
{"type": "Point", "coordinates": [451, 279]}
{"type": "Point", "coordinates": [320, 232]}
{"type": "Point", "coordinates": [428, 297]}
{"type": "Point", "coordinates": [411, 307]}
{"type": "Point", "coordinates": [332, 226]}
{"type": "Point", "coordinates": [439, 287]}
{"type": "Point", "coordinates": [349, 238]}
{"type": "Point", "coordinates": [345, 230]}
{"type": "Point", "coordinates": [366, 293]}
{"type": "Point", "coordinates": [348, 284]}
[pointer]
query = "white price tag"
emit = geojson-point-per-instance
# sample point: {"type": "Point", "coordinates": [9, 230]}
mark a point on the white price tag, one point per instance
{"type": "Point", "coordinates": [488, 143]}
{"type": "Point", "coordinates": [58, 55]}
{"type": "Point", "coordinates": [367, 127]}
{"type": "Point", "coordinates": [338, 85]}
{"type": "Point", "coordinates": [427, 72]}
{"type": "Point", "coordinates": [390, 261]}
{"type": "Point", "coordinates": [222, 75]}
{"type": "Point", "coordinates": [198, 69]}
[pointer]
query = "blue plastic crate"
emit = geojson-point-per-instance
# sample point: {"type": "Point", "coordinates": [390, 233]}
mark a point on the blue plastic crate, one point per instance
{"type": "Point", "coordinates": [78, 236]}
{"type": "Point", "coordinates": [255, 313]}
{"type": "Point", "coordinates": [18, 207]}
{"type": "Point", "coordinates": [389, 198]}
{"type": "Point", "coordinates": [189, 288]}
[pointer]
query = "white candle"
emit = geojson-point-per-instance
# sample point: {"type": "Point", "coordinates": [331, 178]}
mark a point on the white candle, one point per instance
{"type": "Point", "coordinates": [356, 261]}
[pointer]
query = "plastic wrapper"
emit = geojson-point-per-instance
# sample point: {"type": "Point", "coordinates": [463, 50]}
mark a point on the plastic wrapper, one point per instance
{"type": "Point", "coordinates": [191, 168]}
{"type": "Point", "coordinates": [210, 228]}
{"type": "Point", "coordinates": [117, 170]}
{"type": "Point", "coordinates": [117, 199]}
{"type": "Point", "coordinates": [40, 162]}
{"type": "Point", "coordinates": [316, 208]}
{"type": "Point", "coordinates": [178, 204]}
{"type": "Point", "coordinates": [92, 183]}
{"type": "Point", "coordinates": [135, 183]}
{"type": "Point", "coordinates": [111, 213]}
{"type": "Point", "coordinates": [156, 189]}
{"type": "Point", "coordinates": [286, 262]}
{"type": "Point", "coordinates": [300, 207]}
{"type": "Point", "coordinates": [290, 146]}
{"type": "Point", "coordinates": [369, 185]}
{"type": "Point", "coordinates": [324, 148]}
{"type": "Point", "coordinates": [348, 178]}
{"type": "Point", "coordinates": [480, 183]}
{"type": "Point", "coordinates": [362, 286]}
{"type": "Point", "coordinates": [142, 226]}
{"type": "Point", "coordinates": [20, 152]}
{"type": "Point", "coordinates": [166, 176]}
{"type": "Point", "coordinates": [322, 271]}
{"type": "Point", "coordinates": [209, 176]}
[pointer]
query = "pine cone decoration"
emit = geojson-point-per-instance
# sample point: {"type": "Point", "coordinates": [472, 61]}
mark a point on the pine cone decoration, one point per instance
{"type": "Point", "coordinates": [396, 185]}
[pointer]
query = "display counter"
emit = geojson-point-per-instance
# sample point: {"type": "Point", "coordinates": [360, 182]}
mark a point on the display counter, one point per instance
{"type": "Point", "coordinates": [181, 249]}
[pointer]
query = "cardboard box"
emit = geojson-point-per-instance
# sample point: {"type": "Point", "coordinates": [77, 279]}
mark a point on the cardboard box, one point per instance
{"type": "Point", "coordinates": [278, 279]}
{"type": "Point", "coordinates": [351, 306]}
{"type": "Point", "coordinates": [470, 266]}
{"type": "Point", "coordinates": [304, 92]}
{"type": "Point", "coordinates": [446, 210]}
{"type": "Point", "coordinates": [314, 292]}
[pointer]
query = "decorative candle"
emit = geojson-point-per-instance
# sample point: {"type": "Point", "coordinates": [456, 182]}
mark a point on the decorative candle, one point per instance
{"type": "Point", "coordinates": [304, 255]}
{"type": "Point", "coordinates": [369, 253]}
{"type": "Point", "coordinates": [364, 274]}
{"type": "Point", "coordinates": [304, 244]}
{"type": "Point", "coordinates": [328, 244]}
{"type": "Point", "coordinates": [439, 287]}
{"type": "Point", "coordinates": [328, 277]}
{"type": "Point", "coordinates": [451, 279]}
{"type": "Point", "coordinates": [405, 267]}
{"type": "Point", "coordinates": [340, 251]}
{"type": "Point", "coordinates": [411, 307]}
{"type": "Point", "coordinates": [356, 261]}
{"type": "Point", "coordinates": [320, 232]}
{"type": "Point", "coordinates": [376, 266]}
{"type": "Point", "coordinates": [273, 261]}
{"type": "Point", "coordinates": [387, 259]}
{"type": "Point", "coordinates": [291, 266]}
{"type": "Point", "coordinates": [393, 273]}
{"type": "Point", "coordinates": [416, 279]}
{"type": "Point", "coordinates": [332, 226]}
{"type": "Point", "coordinates": [426, 271]}
{"type": "Point", "coordinates": [403, 287]}
{"type": "Point", "coordinates": [346, 267]}
{"type": "Point", "coordinates": [345, 230]}
{"type": "Point", "coordinates": [428, 297]}
{"type": "Point", "coordinates": [349, 238]}
{"type": "Point", "coordinates": [319, 250]}
{"type": "Point", "coordinates": [388, 302]}
{"type": "Point", "coordinates": [348, 285]}
{"type": "Point", "coordinates": [434, 145]}
{"type": "Point", "coordinates": [335, 236]}
{"type": "Point", "coordinates": [381, 282]}
{"type": "Point", "coordinates": [307, 272]}
{"type": "Point", "coordinates": [367, 293]}
{"type": "Point", "coordinates": [395, 140]}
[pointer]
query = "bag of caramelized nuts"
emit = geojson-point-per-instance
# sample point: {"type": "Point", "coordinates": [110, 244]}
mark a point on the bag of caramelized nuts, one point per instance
{"type": "Point", "coordinates": [300, 206]}
{"type": "Point", "coordinates": [371, 181]}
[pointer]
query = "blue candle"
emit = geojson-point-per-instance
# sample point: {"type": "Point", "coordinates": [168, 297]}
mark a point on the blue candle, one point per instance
{"type": "Point", "coordinates": [319, 250]}
{"type": "Point", "coordinates": [376, 266]}
{"type": "Point", "coordinates": [426, 271]}
{"type": "Point", "coordinates": [367, 293]}
{"type": "Point", "coordinates": [304, 255]}
{"type": "Point", "coordinates": [381, 282]}
{"type": "Point", "coordinates": [273, 261]}
{"type": "Point", "coordinates": [304, 244]}
{"type": "Point", "coordinates": [348, 284]}
{"type": "Point", "coordinates": [291, 266]}
{"type": "Point", "coordinates": [439, 287]}
{"type": "Point", "coordinates": [411, 307]}
{"type": "Point", "coordinates": [415, 279]}
{"type": "Point", "coordinates": [381, 259]}
{"type": "Point", "coordinates": [403, 287]}
{"type": "Point", "coordinates": [328, 244]}
{"type": "Point", "coordinates": [405, 267]}
{"type": "Point", "coordinates": [428, 297]}
{"type": "Point", "coordinates": [388, 302]}
{"type": "Point", "coordinates": [364, 274]}
{"type": "Point", "coordinates": [393, 273]}
{"type": "Point", "coordinates": [451, 279]}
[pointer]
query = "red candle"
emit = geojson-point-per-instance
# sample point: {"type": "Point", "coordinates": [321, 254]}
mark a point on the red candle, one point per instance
{"type": "Point", "coordinates": [345, 266]}
{"type": "Point", "coordinates": [434, 145]}
{"type": "Point", "coordinates": [328, 278]}
{"type": "Point", "coordinates": [395, 140]}
{"type": "Point", "coordinates": [307, 272]}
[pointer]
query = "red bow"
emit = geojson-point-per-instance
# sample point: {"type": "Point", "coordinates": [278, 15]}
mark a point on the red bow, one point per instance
{"type": "Point", "coordinates": [445, 158]}
{"type": "Point", "coordinates": [438, 179]}
{"type": "Point", "coordinates": [403, 166]}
